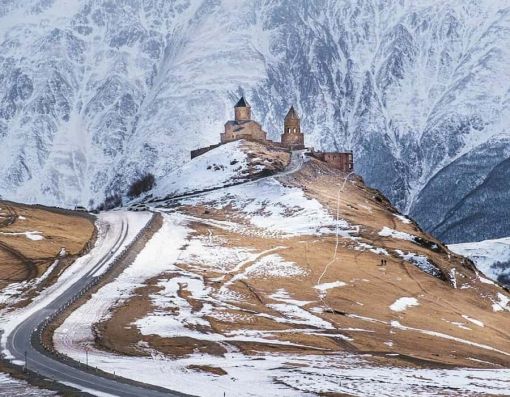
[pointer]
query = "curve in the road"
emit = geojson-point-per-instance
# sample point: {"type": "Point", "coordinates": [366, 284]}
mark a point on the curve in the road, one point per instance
{"type": "Point", "coordinates": [24, 341]}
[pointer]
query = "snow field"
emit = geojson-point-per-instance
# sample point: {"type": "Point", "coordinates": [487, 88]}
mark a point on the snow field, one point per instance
{"type": "Point", "coordinates": [76, 333]}
{"type": "Point", "coordinates": [501, 303]}
{"type": "Point", "coordinates": [250, 376]}
{"type": "Point", "coordinates": [272, 265]}
{"type": "Point", "coordinates": [486, 254]}
{"type": "Point", "coordinates": [324, 287]}
{"type": "Point", "coordinates": [219, 167]}
{"type": "Point", "coordinates": [420, 262]}
{"type": "Point", "coordinates": [388, 232]}
{"type": "Point", "coordinates": [10, 387]}
{"type": "Point", "coordinates": [13, 291]}
{"type": "Point", "coordinates": [275, 210]}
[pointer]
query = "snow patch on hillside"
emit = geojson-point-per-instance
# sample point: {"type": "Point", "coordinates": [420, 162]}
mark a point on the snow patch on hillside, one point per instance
{"type": "Point", "coordinates": [276, 209]}
{"type": "Point", "coordinates": [10, 387]}
{"type": "Point", "coordinates": [32, 235]}
{"type": "Point", "coordinates": [473, 320]}
{"type": "Point", "coordinates": [222, 166]}
{"type": "Point", "coordinates": [213, 253]}
{"type": "Point", "coordinates": [500, 303]}
{"type": "Point", "coordinates": [401, 304]}
{"type": "Point", "coordinates": [388, 232]}
{"type": "Point", "coordinates": [420, 261]}
{"type": "Point", "coordinates": [323, 288]}
{"type": "Point", "coordinates": [273, 266]}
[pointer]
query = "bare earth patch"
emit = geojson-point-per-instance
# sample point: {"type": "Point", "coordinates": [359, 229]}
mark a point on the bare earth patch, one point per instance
{"type": "Point", "coordinates": [36, 245]}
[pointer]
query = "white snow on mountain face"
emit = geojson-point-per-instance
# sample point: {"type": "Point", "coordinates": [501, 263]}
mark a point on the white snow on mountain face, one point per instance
{"type": "Point", "coordinates": [276, 210]}
{"type": "Point", "coordinates": [492, 257]}
{"type": "Point", "coordinates": [94, 93]}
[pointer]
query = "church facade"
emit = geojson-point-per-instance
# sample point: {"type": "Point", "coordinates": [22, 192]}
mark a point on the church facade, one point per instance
{"type": "Point", "coordinates": [243, 127]}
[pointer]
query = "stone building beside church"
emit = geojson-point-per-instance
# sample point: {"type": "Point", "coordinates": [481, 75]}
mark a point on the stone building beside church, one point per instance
{"type": "Point", "coordinates": [243, 127]}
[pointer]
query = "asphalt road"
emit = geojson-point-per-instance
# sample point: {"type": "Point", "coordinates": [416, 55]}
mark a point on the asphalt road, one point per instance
{"type": "Point", "coordinates": [24, 340]}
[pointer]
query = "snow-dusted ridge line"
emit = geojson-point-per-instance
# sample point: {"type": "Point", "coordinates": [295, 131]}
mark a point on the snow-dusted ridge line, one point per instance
{"type": "Point", "coordinates": [490, 256]}
{"type": "Point", "coordinates": [297, 160]}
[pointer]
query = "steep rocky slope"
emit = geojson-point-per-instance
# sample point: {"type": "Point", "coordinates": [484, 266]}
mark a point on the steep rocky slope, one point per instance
{"type": "Point", "coordinates": [266, 286]}
{"type": "Point", "coordinates": [95, 93]}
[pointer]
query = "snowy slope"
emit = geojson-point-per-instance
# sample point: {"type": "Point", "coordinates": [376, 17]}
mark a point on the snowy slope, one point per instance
{"type": "Point", "coordinates": [217, 168]}
{"type": "Point", "coordinates": [14, 387]}
{"type": "Point", "coordinates": [229, 164]}
{"type": "Point", "coordinates": [257, 264]}
{"type": "Point", "coordinates": [95, 93]}
{"type": "Point", "coordinates": [492, 257]}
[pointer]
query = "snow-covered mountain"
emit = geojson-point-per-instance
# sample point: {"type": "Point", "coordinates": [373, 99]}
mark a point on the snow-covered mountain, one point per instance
{"type": "Point", "coordinates": [94, 93]}
{"type": "Point", "coordinates": [490, 256]}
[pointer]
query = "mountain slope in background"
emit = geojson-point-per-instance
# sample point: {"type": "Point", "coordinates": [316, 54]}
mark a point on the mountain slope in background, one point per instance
{"type": "Point", "coordinates": [95, 93]}
{"type": "Point", "coordinates": [490, 256]}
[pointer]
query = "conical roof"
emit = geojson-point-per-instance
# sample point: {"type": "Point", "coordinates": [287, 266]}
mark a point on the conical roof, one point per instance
{"type": "Point", "coordinates": [292, 114]}
{"type": "Point", "coordinates": [242, 103]}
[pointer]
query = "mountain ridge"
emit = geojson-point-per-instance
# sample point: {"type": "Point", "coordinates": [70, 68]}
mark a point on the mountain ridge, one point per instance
{"type": "Point", "coordinates": [94, 94]}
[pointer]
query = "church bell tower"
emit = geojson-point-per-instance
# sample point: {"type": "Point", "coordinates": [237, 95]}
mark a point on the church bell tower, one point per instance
{"type": "Point", "coordinates": [292, 136]}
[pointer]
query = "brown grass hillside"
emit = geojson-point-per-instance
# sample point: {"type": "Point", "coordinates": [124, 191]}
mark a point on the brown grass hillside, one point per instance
{"type": "Point", "coordinates": [33, 237]}
{"type": "Point", "coordinates": [456, 319]}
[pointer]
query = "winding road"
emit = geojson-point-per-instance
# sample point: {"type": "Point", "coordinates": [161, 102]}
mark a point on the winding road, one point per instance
{"type": "Point", "coordinates": [23, 340]}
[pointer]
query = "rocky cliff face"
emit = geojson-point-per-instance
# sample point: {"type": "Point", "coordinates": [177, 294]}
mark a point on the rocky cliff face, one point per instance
{"type": "Point", "coordinates": [93, 93]}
